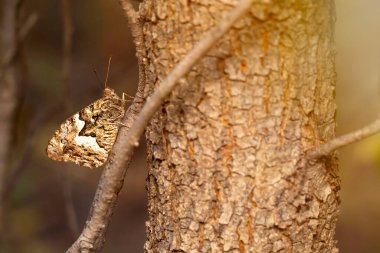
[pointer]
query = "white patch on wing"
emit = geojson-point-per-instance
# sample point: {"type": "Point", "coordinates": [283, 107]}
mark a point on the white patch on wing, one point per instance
{"type": "Point", "coordinates": [85, 141]}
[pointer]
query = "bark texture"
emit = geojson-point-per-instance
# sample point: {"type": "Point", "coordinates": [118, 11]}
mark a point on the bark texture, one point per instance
{"type": "Point", "coordinates": [226, 154]}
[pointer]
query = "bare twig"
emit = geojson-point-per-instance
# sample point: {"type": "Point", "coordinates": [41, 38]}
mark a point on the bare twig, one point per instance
{"type": "Point", "coordinates": [71, 215]}
{"type": "Point", "coordinates": [67, 46]}
{"type": "Point", "coordinates": [29, 23]}
{"type": "Point", "coordinates": [21, 164]}
{"type": "Point", "coordinates": [135, 22]}
{"type": "Point", "coordinates": [93, 236]}
{"type": "Point", "coordinates": [10, 79]}
{"type": "Point", "coordinates": [10, 55]}
{"type": "Point", "coordinates": [18, 166]}
{"type": "Point", "coordinates": [40, 116]}
{"type": "Point", "coordinates": [345, 140]}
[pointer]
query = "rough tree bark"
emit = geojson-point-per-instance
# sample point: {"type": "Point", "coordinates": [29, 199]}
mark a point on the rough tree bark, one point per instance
{"type": "Point", "coordinates": [228, 170]}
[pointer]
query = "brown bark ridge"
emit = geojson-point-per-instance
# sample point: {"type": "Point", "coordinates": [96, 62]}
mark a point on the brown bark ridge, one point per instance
{"type": "Point", "coordinates": [227, 153]}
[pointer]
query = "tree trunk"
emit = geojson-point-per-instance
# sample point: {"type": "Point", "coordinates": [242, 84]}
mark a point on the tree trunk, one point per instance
{"type": "Point", "coordinates": [226, 154]}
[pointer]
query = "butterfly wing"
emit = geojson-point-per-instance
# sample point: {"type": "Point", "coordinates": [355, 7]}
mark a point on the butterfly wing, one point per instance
{"type": "Point", "coordinates": [87, 137]}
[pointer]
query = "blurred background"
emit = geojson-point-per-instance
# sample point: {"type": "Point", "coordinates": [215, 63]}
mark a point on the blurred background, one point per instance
{"type": "Point", "coordinates": [43, 193]}
{"type": "Point", "coordinates": [46, 202]}
{"type": "Point", "coordinates": [358, 99]}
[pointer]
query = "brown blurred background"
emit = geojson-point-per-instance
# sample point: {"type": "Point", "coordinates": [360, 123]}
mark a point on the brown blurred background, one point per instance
{"type": "Point", "coordinates": [358, 98]}
{"type": "Point", "coordinates": [36, 219]}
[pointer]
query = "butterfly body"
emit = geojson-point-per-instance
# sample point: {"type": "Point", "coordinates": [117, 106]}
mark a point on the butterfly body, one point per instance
{"type": "Point", "coordinates": [87, 137]}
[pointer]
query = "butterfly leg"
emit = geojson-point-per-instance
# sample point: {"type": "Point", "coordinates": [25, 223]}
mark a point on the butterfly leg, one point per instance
{"type": "Point", "coordinates": [129, 97]}
{"type": "Point", "coordinates": [120, 124]}
{"type": "Point", "coordinates": [117, 123]}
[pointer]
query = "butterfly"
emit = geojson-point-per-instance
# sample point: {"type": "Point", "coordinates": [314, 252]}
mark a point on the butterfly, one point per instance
{"type": "Point", "coordinates": [87, 137]}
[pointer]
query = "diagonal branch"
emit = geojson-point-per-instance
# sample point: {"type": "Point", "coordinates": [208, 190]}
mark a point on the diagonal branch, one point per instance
{"type": "Point", "coordinates": [66, 50]}
{"type": "Point", "coordinates": [345, 140]}
{"type": "Point", "coordinates": [10, 54]}
{"type": "Point", "coordinates": [18, 166]}
{"type": "Point", "coordinates": [93, 236]}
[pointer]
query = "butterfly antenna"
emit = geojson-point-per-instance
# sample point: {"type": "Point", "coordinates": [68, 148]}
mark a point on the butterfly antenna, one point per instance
{"type": "Point", "coordinates": [97, 76]}
{"type": "Point", "coordinates": [108, 71]}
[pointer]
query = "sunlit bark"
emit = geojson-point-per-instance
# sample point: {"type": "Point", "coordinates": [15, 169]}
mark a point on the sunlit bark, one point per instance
{"type": "Point", "coordinates": [227, 152]}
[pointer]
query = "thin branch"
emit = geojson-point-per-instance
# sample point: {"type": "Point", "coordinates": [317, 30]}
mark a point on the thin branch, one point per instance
{"type": "Point", "coordinates": [136, 24]}
{"type": "Point", "coordinates": [10, 82]}
{"type": "Point", "coordinates": [67, 47]}
{"type": "Point", "coordinates": [11, 54]}
{"type": "Point", "coordinates": [29, 23]}
{"type": "Point", "coordinates": [41, 115]}
{"type": "Point", "coordinates": [345, 140]}
{"type": "Point", "coordinates": [93, 236]}
{"type": "Point", "coordinates": [67, 40]}
{"type": "Point", "coordinates": [71, 215]}
{"type": "Point", "coordinates": [134, 20]}
{"type": "Point", "coordinates": [17, 167]}
{"type": "Point", "coordinates": [20, 165]}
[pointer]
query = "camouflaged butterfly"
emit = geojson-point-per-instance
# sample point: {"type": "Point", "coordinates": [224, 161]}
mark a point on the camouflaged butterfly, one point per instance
{"type": "Point", "coordinates": [87, 137]}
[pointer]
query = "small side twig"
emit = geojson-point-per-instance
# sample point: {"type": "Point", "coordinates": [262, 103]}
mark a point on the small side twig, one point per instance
{"type": "Point", "coordinates": [29, 23]}
{"type": "Point", "coordinates": [11, 54]}
{"type": "Point", "coordinates": [93, 235]}
{"type": "Point", "coordinates": [20, 165]}
{"type": "Point", "coordinates": [345, 140]}
{"type": "Point", "coordinates": [67, 41]}
{"type": "Point", "coordinates": [136, 25]}
{"type": "Point", "coordinates": [66, 52]}
{"type": "Point", "coordinates": [71, 215]}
